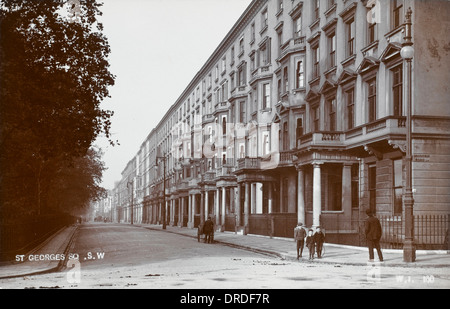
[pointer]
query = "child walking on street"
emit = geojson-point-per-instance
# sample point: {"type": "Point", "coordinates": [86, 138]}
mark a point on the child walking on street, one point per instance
{"type": "Point", "coordinates": [319, 238]}
{"type": "Point", "coordinates": [310, 243]}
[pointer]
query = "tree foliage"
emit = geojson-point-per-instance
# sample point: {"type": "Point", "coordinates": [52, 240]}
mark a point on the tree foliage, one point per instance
{"type": "Point", "coordinates": [54, 73]}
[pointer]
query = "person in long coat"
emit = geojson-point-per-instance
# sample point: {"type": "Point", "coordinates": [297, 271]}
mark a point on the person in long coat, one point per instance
{"type": "Point", "coordinates": [373, 233]}
{"type": "Point", "coordinates": [208, 230]}
{"type": "Point", "coordinates": [299, 236]}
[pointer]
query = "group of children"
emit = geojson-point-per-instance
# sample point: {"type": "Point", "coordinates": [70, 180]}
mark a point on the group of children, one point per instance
{"type": "Point", "coordinates": [314, 241]}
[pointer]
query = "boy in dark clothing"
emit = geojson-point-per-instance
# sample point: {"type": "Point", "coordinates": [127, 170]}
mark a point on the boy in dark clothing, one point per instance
{"type": "Point", "coordinates": [310, 244]}
{"type": "Point", "coordinates": [319, 238]}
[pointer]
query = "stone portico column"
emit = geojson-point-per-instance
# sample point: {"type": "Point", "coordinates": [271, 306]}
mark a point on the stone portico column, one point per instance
{"type": "Point", "coordinates": [224, 193]}
{"type": "Point", "coordinates": [317, 194]}
{"type": "Point", "coordinates": [301, 196]}
{"type": "Point", "coordinates": [247, 208]}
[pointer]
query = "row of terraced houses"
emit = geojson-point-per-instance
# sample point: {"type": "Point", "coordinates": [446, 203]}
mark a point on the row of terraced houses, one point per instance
{"type": "Point", "coordinates": [299, 116]}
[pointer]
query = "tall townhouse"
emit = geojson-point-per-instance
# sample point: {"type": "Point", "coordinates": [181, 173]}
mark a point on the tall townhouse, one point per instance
{"type": "Point", "coordinates": [299, 115]}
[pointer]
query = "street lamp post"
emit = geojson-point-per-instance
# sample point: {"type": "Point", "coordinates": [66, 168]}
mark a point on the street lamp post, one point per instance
{"type": "Point", "coordinates": [407, 53]}
{"type": "Point", "coordinates": [163, 212]}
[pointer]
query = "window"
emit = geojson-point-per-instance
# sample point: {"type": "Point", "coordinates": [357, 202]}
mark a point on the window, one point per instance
{"type": "Point", "coordinates": [398, 186]}
{"type": "Point", "coordinates": [242, 111]}
{"type": "Point", "coordinates": [350, 32]}
{"type": "Point", "coordinates": [286, 79]}
{"type": "Point", "coordinates": [242, 75]}
{"type": "Point", "coordinates": [298, 26]}
{"type": "Point", "coordinates": [241, 150]}
{"type": "Point", "coordinates": [397, 13]}
{"type": "Point", "coordinates": [299, 128]}
{"type": "Point", "coordinates": [266, 96]}
{"type": "Point", "coordinates": [241, 45]}
{"type": "Point", "coordinates": [331, 105]}
{"type": "Point", "coordinates": [264, 19]}
{"type": "Point", "coordinates": [266, 143]}
{"type": "Point", "coordinates": [372, 99]}
{"type": "Point", "coordinates": [252, 32]}
{"type": "Point", "coordinates": [355, 185]}
{"type": "Point", "coordinates": [279, 89]}
{"type": "Point", "coordinates": [252, 62]}
{"type": "Point", "coordinates": [332, 50]}
{"type": "Point", "coordinates": [350, 99]}
{"type": "Point", "coordinates": [224, 125]}
{"type": "Point", "coordinates": [315, 61]}
{"type": "Point", "coordinates": [397, 76]}
{"type": "Point", "coordinates": [280, 41]}
{"type": "Point", "coordinates": [372, 24]}
{"type": "Point", "coordinates": [300, 75]}
{"type": "Point", "coordinates": [333, 178]}
{"type": "Point", "coordinates": [232, 55]}
{"type": "Point", "coordinates": [285, 136]}
{"type": "Point", "coordinates": [316, 118]}
{"type": "Point", "coordinates": [316, 7]}
{"type": "Point", "coordinates": [280, 5]}
{"type": "Point", "coordinates": [224, 92]}
{"type": "Point", "coordinates": [224, 64]}
{"type": "Point", "coordinates": [372, 32]}
{"type": "Point", "coordinates": [265, 53]}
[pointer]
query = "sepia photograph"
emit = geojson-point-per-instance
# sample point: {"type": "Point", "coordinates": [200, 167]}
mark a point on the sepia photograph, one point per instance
{"type": "Point", "coordinates": [224, 152]}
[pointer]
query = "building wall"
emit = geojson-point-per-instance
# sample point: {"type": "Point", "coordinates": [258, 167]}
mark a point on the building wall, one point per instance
{"type": "Point", "coordinates": [183, 134]}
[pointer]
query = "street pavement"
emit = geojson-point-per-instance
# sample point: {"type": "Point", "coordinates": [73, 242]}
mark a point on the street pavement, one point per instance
{"type": "Point", "coordinates": [284, 248]}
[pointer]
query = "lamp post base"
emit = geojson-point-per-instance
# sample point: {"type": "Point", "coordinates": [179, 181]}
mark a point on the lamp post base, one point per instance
{"type": "Point", "coordinates": [409, 251]}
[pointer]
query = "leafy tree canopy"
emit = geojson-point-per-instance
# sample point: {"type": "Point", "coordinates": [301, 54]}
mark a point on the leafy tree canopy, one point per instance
{"type": "Point", "coordinates": [54, 73]}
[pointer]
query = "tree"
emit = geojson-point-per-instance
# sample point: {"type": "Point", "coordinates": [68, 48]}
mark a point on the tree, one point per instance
{"type": "Point", "coordinates": [75, 185]}
{"type": "Point", "coordinates": [54, 73]}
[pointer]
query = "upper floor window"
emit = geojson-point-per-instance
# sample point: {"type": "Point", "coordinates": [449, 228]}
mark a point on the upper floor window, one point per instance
{"type": "Point", "coordinates": [316, 9]}
{"type": "Point", "coordinates": [315, 61]}
{"type": "Point", "coordinates": [241, 45]}
{"type": "Point", "coordinates": [350, 37]}
{"type": "Point", "coordinates": [315, 115]}
{"type": "Point", "coordinates": [397, 13]}
{"type": "Point", "coordinates": [350, 100]}
{"type": "Point", "coordinates": [280, 5]}
{"type": "Point", "coordinates": [286, 79]}
{"type": "Point", "coordinates": [242, 109]}
{"type": "Point", "coordinates": [300, 75]}
{"type": "Point", "coordinates": [224, 64]}
{"type": "Point", "coordinates": [252, 32]}
{"type": "Point", "coordinates": [372, 99]}
{"type": "Point", "coordinates": [397, 89]}
{"type": "Point", "coordinates": [242, 75]}
{"type": "Point", "coordinates": [299, 128]}
{"type": "Point", "coordinates": [265, 52]}
{"type": "Point", "coordinates": [372, 34]}
{"type": "Point", "coordinates": [266, 96]}
{"type": "Point", "coordinates": [298, 26]}
{"type": "Point", "coordinates": [264, 19]}
{"type": "Point", "coordinates": [332, 50]}
{"type": "Point", "coordinates": [331, 106]}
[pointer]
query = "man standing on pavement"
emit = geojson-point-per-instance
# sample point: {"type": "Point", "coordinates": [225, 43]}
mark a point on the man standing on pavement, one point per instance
{"type": "Point", "coordinates": [373, 235]}
{"type": "Point", "coordinates": [208, 230]}
{"type": "Point", "coordinates": [299, 236]}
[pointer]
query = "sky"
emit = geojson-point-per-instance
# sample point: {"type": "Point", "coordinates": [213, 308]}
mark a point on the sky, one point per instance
{"type": "Point", "coordinates": [157, 47]}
